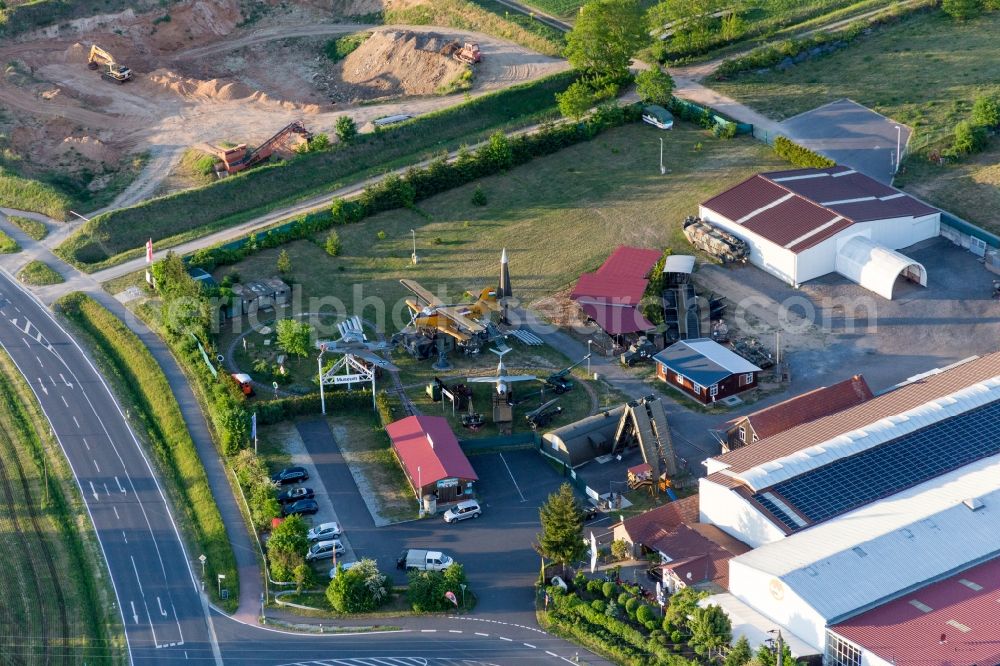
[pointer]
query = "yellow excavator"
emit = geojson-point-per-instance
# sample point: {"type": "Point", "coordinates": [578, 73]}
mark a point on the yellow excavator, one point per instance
{"type": "Point", "coordinates": [113, 71]}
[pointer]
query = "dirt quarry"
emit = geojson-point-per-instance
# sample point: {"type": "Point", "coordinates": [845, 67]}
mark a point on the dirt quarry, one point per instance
{"type": "Point", "coordinates": [201, 74]}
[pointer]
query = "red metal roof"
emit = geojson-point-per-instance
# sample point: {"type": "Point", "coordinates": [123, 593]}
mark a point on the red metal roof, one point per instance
{"type": "Point", "coordinates": [896, 401]}
{"type": "Point", "coordinates": [633, 262]}
{"type": "Point", "coordinates": [953, 621]}
{"type": "Point", "coordinates": [615, 319]}
{"type": "Point", "coordinates": [809, 406]}
{"type": "Point", "coordinates": [613, 289]}
{"type": "Point", "coordinates": [798, 205]}
{"type": "Point", "coordinates": [428, 442]}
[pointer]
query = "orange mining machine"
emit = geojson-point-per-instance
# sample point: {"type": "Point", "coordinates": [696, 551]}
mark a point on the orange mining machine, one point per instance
{"type": "Point", "coordinates": [240, 157]}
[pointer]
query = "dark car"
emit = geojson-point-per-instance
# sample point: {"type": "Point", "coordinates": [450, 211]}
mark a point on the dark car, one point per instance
{"type": "Point", "coordinates": [296, 494]}
{"type": "Point", "coordinates": [300, 508]}
{"type": "Point", "coordinates": [291, 475]}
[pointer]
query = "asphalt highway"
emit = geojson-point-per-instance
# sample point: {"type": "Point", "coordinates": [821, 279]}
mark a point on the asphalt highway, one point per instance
{"type": "Point", "coordinates": [167, 619]}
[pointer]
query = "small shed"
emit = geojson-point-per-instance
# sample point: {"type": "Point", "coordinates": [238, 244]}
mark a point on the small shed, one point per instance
{"type": "Point", "coordinates": [677, 269]}
{"type": "Point", "coordinates": [431, 458]}
{"type": "Point", "coordinates": [705, 370]}
{"type": "Point", "coordinates": [261, 294]}
{"type": "Point", "coordinates": [581, 441]}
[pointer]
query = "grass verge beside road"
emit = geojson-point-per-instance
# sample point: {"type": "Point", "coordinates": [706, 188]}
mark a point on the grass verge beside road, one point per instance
{"type": "Point", "coordinates": [119, 235]}
{"type": "Point", "coordinates": [56, 600]}
{"type": "Point", "coordinates": [33, 228]}
{"type": "Point", "coordinates": [38, 274]}
{"type": "Point", "coordinates": [138, 377]}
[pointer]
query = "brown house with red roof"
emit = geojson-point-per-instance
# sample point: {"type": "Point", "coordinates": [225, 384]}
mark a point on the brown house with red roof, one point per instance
{"type": "Point", "coordinates": [431, 458]}
{"type": "Point", "coordinates": [806, 223]}
{"type": "Point", "coordinates": [692, 554]}
{"type": "Point", "coordinates": [795, 411]}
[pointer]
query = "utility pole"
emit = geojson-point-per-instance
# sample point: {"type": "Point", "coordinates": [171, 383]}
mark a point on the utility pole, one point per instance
{"type": "Point", "coordinates": [663, 169]}
{"type": "Point", "coordinates": [781, 649]}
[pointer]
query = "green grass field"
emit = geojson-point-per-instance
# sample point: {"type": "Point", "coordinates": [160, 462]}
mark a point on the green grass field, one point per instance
{"type": "Point", "coordinates": [39, 274]}
{"type": "Point", "coordinates": [55, 601]}
{"type": "Point", "coordinates": [924, 71]}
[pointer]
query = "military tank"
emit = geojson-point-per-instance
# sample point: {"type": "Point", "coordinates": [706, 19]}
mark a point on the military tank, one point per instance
{"type": "Point", "coordinates": [720, 244]}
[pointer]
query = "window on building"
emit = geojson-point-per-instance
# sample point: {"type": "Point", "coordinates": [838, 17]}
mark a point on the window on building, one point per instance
{"type": "Point", "coordinates": [743, 434]}
{"type": "Point", "coordinates": [698, 388]}
{"type": "Point", "coordinates": [713, 390]}
{"type": "Point", "coordinates": [755, 438]}
{"type": "Point", "coordinates": [840, 653]}
{"type": "Point", "coordinates": [746, 379]}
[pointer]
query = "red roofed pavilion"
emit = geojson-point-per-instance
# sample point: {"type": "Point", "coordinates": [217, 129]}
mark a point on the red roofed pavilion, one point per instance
{"type": "Point", "coordinates": [432, 458]}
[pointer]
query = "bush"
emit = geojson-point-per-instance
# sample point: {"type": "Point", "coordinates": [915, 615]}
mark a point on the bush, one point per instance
{"type": "Point", "coordinates": [287, 547]}
{"type": "Point", "coordinates": [621, 549]}
{"type": "Point", "coordinates": [631, 604]}
{"type": "Point", "coordinates": [968, 139]}
{"type": "Point", "coordinates": [594, 587]}
{"type": "Point", "coordinates": [478, 196]}
{"type": "Point", "coordinates": [426, 591]}
{"type": "Point", "coordinates": [644, 614]}
{"type": "Point", "coordinates": [346, 128]}
{"type": "Point", "coordinates": [799, 155]}
{"type": "Point", "coordinates": [962, 10]}
{"type": "Point", "coordinates": [339, 48]}
{"type": "Point", "coordinates": [985, 112]}
{"type": "Point", "coordinates": [284, 263]}
{"type": "Point", "coordinates": [260, 492]}
{"type": "Point", "coordinates": [609, 589]}
{"type": "Point", "coordinates": [651, 626]}
{"type": "Point", "coordinates": [361, 589]}
{"type": "Point", "coordinates": [598, 605]}
{"type": "Point", "coordinates": [579, 580]}
{"type": "Point", "coordinates": [332, 244]}
{"type": "Point", "coordinates": [654, 86]}
{"type": "Point", "coordinates": [160, 416]}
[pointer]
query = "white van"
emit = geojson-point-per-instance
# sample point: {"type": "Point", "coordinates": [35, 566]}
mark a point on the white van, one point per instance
{"type": "Point", "coordinates": [324, 550]}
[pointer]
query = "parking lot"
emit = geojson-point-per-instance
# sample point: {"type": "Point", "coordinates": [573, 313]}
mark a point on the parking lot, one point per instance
{"type": "Point", "coordinates": [850, 134]}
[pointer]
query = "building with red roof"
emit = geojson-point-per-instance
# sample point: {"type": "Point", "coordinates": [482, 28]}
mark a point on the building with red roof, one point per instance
{"type": "Point", "coordinates": [611, 295]}
{"type": "Point", "coordinates": [806, 223]}
{"type": "Point", "coordinates": [954, 621]}
{"type": "Point", "coordinates": [431, 458]}
{"type": "Point", "coordinates": [795, 411]}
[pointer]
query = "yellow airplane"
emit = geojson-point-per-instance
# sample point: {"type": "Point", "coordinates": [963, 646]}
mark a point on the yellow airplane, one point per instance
{"type": "Point", "coordinates": [463, 322]}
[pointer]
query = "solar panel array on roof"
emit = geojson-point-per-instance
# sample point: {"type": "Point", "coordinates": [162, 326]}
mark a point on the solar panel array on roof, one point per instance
{"type": "Point", "coordinates": [860, 479]}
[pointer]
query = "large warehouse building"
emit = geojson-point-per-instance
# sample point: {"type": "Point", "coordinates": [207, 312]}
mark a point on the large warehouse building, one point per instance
{"type": "Point", "coordinates": [849, 513]}
{"type": "Point", "coordinates": [806, 223]}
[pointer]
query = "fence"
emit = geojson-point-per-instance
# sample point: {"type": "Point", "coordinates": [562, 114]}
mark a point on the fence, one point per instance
{"type": "Point", "coordinates": [571, 476]}
{"type": "Point", "coordinates": [688, 109]}
{"type": "Point", "coordinates": [974, 239]}
{"type": "Point", "coordinates": [521, 440]}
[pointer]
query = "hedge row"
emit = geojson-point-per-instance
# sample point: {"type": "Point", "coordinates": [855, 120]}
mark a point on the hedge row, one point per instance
{"type": "Point", "coordinates": [800, 156]}
{"type": "Point", "coordinates": [773, 54]}
{"type": "Point", "coordinates": [497, 155]}
{"type": "Point", "coordinates": [147, 387]}
{"type": "Point", "coordinates": [236, 198]}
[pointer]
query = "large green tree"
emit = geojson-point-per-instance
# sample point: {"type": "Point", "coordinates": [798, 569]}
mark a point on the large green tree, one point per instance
{"type": "Point", "coordinates": [604, 38]}
{"type": "Point", "coordinates": [361, 589]}
{"type": "Point", "coordinates": [741, 654]}
{"type": "Point", "coordinates": [711, 630]}
{"type": "Point", "coordinates": [287, 546]}
{"type": "Point", "coordinates": [576, 100]}
{"type": "Point", "coordinates": [561, 538]}
{"type": "Point", "coordinates": [293, 336]}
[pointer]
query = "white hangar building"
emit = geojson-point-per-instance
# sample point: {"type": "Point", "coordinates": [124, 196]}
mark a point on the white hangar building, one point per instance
{"type": "Point", "coordinates": [806, 223]}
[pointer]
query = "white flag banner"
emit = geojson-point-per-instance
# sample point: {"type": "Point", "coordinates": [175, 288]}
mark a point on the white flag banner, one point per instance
{"type": "Point", "coordinates": [593, 552]}
{"type": "Point", "coordinates": [659, 594]}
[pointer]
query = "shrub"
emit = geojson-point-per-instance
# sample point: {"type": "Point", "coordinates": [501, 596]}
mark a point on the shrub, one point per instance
{"type": "Point", "coordinates": [260, 492]}
{"type": "Point", "coordinates": [339, 48]}
{"type": "Point", "coordinates": [654, 86]}
{"type": "Point", "coordinates": [621, 549]}
{"type": "Point", "coordinates": [962, 10]}
{"type": "Point", "coordinates": [630, 603]}
{"type": "Point", "coordinates": [800, 156]}
{"type": "Point", "coordinates": [612, 610]}
{"type": "Point", "coordinates": [609, 589]}
{"type": "Point", "coordinates": [598, 605]}
{"type": "Point", "coordinates": [985, 112]}
{"type": "Point", "coordinates": [284, 263]}
{"type": "Point", "coordinates": [968, 139]}
{"type": "Point", "coordinates": [332, 244]}
{"type": "Point", "coordinates": [651, 626]}
{"type": "Point", "coordinates": [594, 587]}
{"type": "Point", "coordinates": [361, 589]}
{"type": "Point", "coordinates": [346, 128]}
{"type": "Point", "coordinates": [293, 336]}
{"type": "Point", "coordinates": [579, 580]}
{"type": "Point", "coordinates": [644, 614]}
{"type": "Point", "coordinates": [286, 548]}
{"type": "Point", "coordinates": [478, 196]}
{"type": "Point", "coordinates": [426, 591]}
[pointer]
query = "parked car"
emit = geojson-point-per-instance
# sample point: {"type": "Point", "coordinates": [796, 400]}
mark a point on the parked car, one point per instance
{"type": "Point", "coordinates": [324, 532]}
{"type": "Point", "coordinates": [296, 494]}
{"type": "Point", "coordinates": [557, 581]}
{"type": "Point", "coordinates": [423, 560]}
{"type": "Point", "coordinates": [324, 550]}
{"type": "Point", "coordinates": [300, 508]}
{"type": "Point", "coordinates": [291, 475]}
{"type": "Point", "coordinates": [463, 510]}
{"type": "Point", "coordinates": [346, 566]}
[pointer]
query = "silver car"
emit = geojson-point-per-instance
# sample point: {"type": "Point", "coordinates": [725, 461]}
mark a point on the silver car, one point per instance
{"type": "Point", "coordinates": [463, 510]}
{"type": "Point", "coordinates": [324, 532]}
{"type": "Point", "coordinates": [324, 550]}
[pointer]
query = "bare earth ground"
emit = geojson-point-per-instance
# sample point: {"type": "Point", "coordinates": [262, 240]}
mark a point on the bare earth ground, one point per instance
{"type": "Point", "coordinates": [199, 78]}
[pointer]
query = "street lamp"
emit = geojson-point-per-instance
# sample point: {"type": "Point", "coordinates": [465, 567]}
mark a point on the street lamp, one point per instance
{"type": "Point", "coordinates": [663, 169]}
{"type": "Point", "coordinates": [463, 586]}
{"type": "Point", "coordinates": [319, 363]}
{"type": "Point", "coordinates": [413, 256]}
{"type": "Point", "coordinates": [899, 140]}
{"type": "Point", "coordinates": [589, 342]}
{"type": "Point", "coordinates": [222, 577]}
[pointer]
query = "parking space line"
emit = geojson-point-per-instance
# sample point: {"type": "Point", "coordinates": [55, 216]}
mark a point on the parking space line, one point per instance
{"type": "Point", "coordinates": [512, 478]}
{"type": "Point", "coordinates": [484, 635]}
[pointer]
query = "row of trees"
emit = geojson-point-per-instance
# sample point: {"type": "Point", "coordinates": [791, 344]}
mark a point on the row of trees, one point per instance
{"type": "Point", "coordinates": [972, 135]}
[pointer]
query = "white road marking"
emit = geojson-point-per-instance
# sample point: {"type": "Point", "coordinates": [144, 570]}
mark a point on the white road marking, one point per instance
{"type": "Point", "coordinates": [41, 385]}
{"type": "Point", "coordinates": [135, 616]}
{"type": "Point", "coordinates": [94, 491]}
{"type": "Point", "coordinates": [454, 631]}
{"type": "Point", "coordinates": [503, 638]}
{"type": "Point", "coordinates": [512, 478]}
{"type": "Point", "coordinates": [120, 486]}
{"type": "Point", "coordinates": [38, 336]}
{"type": "Point", "coordinates": [74, 419]}
{"type": "Point", "coordinates": [106, 491]}
{"type": "Point", "coordinates": [97, 467]}
{"type": "Point", "coordinates": [86, 444]}
{"type": "Point", "coordinates": [116, 514]}
{"type": "Point", "coordinates": [484, 635]}
{"type": "Point", "coordinates": [529, 645]}
{"type": "Point", "coordinates": [65, 381]}
{"type": "Point", "coordinates": [64, 401]}
{"type": "Point", "coordinates": [551, 653]}
{"type": "Point", "coordinates": [53, 381]}
{"type": "Point", "coordinates": [162, 612]}
{"type": "Point", "coordinates": [123, 532]}
{"type": "Point", "coordinates": [39, 361]}
{"type": "Point", "coordinates": [428, 631]}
